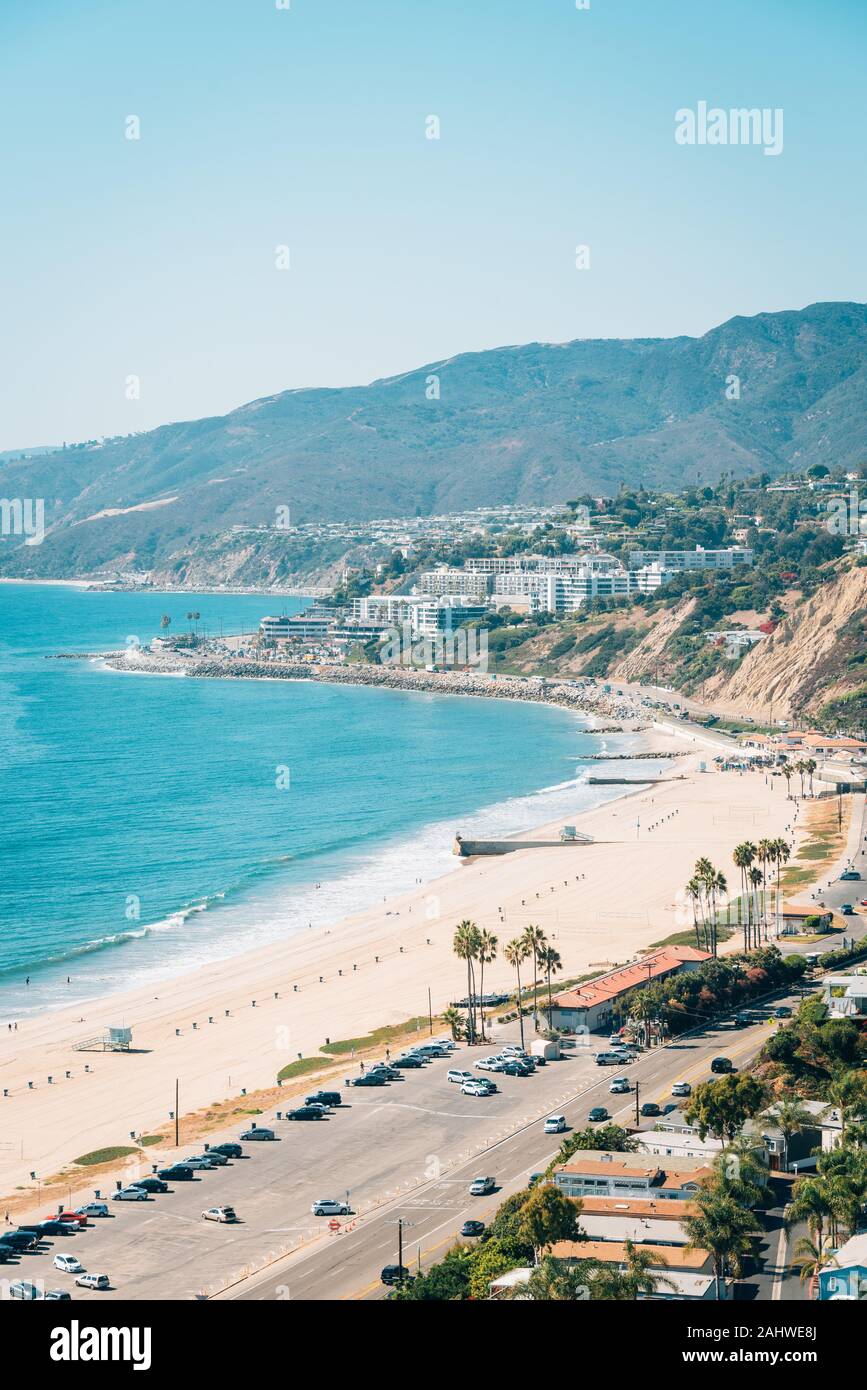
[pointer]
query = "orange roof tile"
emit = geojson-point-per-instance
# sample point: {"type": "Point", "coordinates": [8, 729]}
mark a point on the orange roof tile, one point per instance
{"type": "Point", "coordinates": [616, 982]}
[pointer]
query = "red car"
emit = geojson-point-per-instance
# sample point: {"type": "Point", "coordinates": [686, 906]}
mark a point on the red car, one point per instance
{"type": "Point", "coordinates": [71, 1218]}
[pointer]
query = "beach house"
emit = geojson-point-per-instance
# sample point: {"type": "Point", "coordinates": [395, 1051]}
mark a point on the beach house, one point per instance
{"type": "Point", "coordinates": [590, 1007]}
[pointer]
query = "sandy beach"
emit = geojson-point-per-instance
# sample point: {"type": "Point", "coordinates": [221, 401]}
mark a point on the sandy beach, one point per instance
{"type": "Point", "coordinates": [599, 904]}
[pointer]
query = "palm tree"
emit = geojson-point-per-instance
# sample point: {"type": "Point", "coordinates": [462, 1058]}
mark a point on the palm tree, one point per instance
{"type": "Point", "coordinates": [694, 891]}
{"type": "Point", "coordinates": [811, 1202]}
{"type": "Point", "coordinates": [515, 952]}
{"type": "Point", "coordinates": [465, 945]}
{"type": "Point", "coordinates": [756, 878]}
{"type": "Point", "coordinates": [553, 965]}
{"type": "Point", "coordinates": [782, 850]}
{"type": "Point", "coordinates": [811, 1257]}
{"type": "Point", "coordinates": [723, 1227]}
{"type": "Point", "coordinates": [453, 1019]}
{"type": "Point", "coordinates": [743, 856]}
{"type": "Point", "coordinates": [766, 851]}
{"type": "Point", "coordinates": [485, 954]}
{"type": "Point", "coordinates": [787, 773]}
{"type": "Point", "coordinates": [790, 1116]}
{"type": "Point", "coordinates": [717, 886]}
{"type": "Point", "coordinates": [536, 945]}
{"type": "Point", "coordinates": [810, 767]}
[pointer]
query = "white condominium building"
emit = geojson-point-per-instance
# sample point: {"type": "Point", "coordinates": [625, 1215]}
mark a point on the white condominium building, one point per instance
{"type": "Point", "coordinates": [441, 582]}
{"type": "Point", "coordinates": [677, 561]}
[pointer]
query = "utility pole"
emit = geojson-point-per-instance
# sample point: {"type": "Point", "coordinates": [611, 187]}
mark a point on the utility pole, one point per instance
{"type": "Point", "coordinates": [430, 1011]}
{"type": "Point", "coordinates": [637, 1090]}
{"type": "Point", "coordinates": [177, 1118]}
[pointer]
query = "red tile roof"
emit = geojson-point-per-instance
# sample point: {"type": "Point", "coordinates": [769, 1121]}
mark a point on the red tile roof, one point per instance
{"type": "Point", "coordinates": [617, 982]}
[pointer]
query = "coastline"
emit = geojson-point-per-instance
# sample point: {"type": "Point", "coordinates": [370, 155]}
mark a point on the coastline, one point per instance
{"type": "Point", "coordinates": [599, 904]}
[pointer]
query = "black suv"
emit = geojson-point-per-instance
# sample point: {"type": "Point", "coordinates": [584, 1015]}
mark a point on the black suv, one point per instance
{"type": "Point", "coordinates": [306, 1112]}
{"type": "Point", "coordinates": [324, 1098]}
{"type": "Point", "coordinates": [178, 1172]}
{"type": "Point", "coordinates": [395, 1274]}
{"type": "Point", "coordinates": [722, 1064]}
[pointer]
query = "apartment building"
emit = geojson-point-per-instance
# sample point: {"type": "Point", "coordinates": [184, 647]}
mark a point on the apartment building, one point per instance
{"type": "Point", "coordinates": [680, 561]}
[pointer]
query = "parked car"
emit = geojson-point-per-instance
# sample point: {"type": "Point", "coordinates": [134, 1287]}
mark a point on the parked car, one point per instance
{"type": "Point", "coordinates": [70, 1264]}
{"type": "Point", "coordinates": [198, 1162]}
{"type": "Point", "coordinates": [149, 1184]}
{"type": "Point", "coordinates": [620, 1086]}
{"type": "Point", "coordinates": [369, 1078]}
{"type": "Point", "coordinates": [722, 1065]}
{"type": "Point", "coordinates": [329, 1206]}
{"type": "Point", "coordinates": [395, 1274]}
{"type": "Point", "coordinates": [306, 1112]}
{"type": "Point", "coordinates": [54, 1295]}
{"type": "Point", "coordinates": [176, 1172]}
{"type": "Point", "coordinates": [258, 1134]}
{"type": "Point", "coordinates": [130, 1194]}
{"type": "Point", "coordinates": [22, 1288]}
{"type": "Point", "coordinates": [850, 876]}
{"type": "Point", "coordinates": [215, 1158]}
{"type": "Point", "coordinates": [96, 1209]}
{"type": "Point", "coordinates": [597, 1114]}
{"type": "Point", "coordinates": [72, 1218]}
{"type": "Point", "coordinates": [649, 1109]}
{"type": "Point", "coordinates": [681, 1088]}
{"type": "Point", "coordinates": [555, 1124]}
{"type": "Point", "coordinates": [93, 1281]}
{"type": "Point", "coordinates": [490, 1064]}
{"type": "Point", "coordinates": [459, 1077]}
{"type": "Point", "coordinates": [408, 1063]}
{"type": "Point", "coordinates": [19, 1240]}
{"type": "Point", "coordinates": [390, 1073]}
{"type": "Point", "coordinates": [480, 1187]}
{"type": "Point", "coordinates": [475, 1088]}
{"type": "Point", "coordinates": [847, 909]}
{"type": "Point", "coordinates": [231, 1150]}
{"type": "Point", "coordinates": [329, 1098]}
{"type": "Point", "coordinates": [53, 1228]}
{"type": "Point", "coordinates": [490, 1086]}
{"type": "Point", "coordinates": [225, 1215]}
{"type": "Point", "coordinates": [515, 1068]}
{"type": "Point", "coordinates": [473, 1228]}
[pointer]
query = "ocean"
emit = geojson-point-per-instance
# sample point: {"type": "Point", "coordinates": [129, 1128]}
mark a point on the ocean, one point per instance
{"type": "Point", "coordinates": [151, 824]}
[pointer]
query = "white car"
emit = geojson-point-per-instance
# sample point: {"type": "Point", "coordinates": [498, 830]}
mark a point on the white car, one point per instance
{"type": "Point", "coordinates": [93, 1281]}
{"type": "Point", "coordinates": [490, 1064]}
{"type": "Point", "coordinates": [620, 1086]}
{"type": "Point", "coordinates": [459, 1077]}
{"type": "Point", "coordinates": [511, 1050]}
{"type": "Point", "coordinates": [224, 1214]}
{"type": "Point", "coordinates": [474, 1088]}
{"type": "Point", "coordinates": [555, 1124]}
{"type": "Point", "coordinates": [329, 1206]}
{"type": "Point", "coordinates": [199, 1161]}
{"type": "Point", "coordinates": [130, 1194]}
{"type": "Point", "coordinates": [92, 1209]}
{"type": "Point", "coordinates": [681, 1088]}
{"type": "Point", "coordinates": [69, 1264]}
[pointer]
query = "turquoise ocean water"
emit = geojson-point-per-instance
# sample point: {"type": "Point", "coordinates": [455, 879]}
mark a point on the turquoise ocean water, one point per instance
{"type": "Point", "coordinates": [124, 794]}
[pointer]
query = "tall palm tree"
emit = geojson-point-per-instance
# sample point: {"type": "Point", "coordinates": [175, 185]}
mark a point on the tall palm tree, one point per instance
{"type": "Point", "coordinates": [465, 946]}
{"type": "Point", "coordinates": [694, 890]}
{"type": "Point", "coordinates": [485, 954]}
{"type": "Point", "coordinates": [765, 851]}
{"type": "Point", "coordinates": [453, 1019]}
{"type": "Point", "coordinates": [553, 965]}
{"type": "Point", "coordinates": [756, 878]}
{"type": "Point", "coordinates": [787, 773]}
{"type": "Point", "coordinates": [516, 951]}
{"type": "Point", "coordinates": [722, 1226]}
{"type": "Point", "coordinates": [782, 850]}
{"type": "Point", "coordinates": [536, 944]}
{"type": "Point", "coordinates": [811, 1202]}
{"type": "Point", "coordinates": [743, 856]}
{"type": "Point", "coordinates": [810, 767]}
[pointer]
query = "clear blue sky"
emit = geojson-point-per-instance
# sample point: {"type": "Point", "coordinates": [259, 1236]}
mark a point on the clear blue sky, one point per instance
{"type": "Point", "coordinates": [306, 127]}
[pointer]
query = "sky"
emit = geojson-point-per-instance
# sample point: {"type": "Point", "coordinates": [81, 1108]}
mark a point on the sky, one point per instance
{"type": "Point", "coordinates": [140, 281]}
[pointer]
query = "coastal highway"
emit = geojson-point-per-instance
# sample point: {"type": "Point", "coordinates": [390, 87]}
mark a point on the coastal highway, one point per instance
{"type": "Point", "coordinates": [346, 1265]}
{"type": "Point", "coordinates": [407, 1150]}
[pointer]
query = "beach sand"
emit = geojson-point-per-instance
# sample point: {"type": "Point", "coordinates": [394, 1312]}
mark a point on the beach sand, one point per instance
{"type": "Point", "coordinates": [598, 905]}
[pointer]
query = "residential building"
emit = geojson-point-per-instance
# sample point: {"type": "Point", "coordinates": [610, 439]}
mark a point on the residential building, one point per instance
{"type": "Point", "coordinates": [590, 1006]}
{"type": "Point", "coordinates": [455, 581]}
{"type": "Point", "coordinates": [599, 1173]}
{"type": "Point", "coordinates": [846, 1275]}
{"type": "Point", "coordinates": [846, 996]}
{"type": "Point", "coordinates": [680, 561]}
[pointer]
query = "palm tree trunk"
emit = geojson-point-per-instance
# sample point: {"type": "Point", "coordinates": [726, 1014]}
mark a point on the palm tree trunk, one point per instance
{"type": "Point", "coordinates": [520, 1008]}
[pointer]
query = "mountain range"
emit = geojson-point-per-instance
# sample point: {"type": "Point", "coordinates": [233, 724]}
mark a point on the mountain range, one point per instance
{"type": "Point", "coordinates": [540, 423]}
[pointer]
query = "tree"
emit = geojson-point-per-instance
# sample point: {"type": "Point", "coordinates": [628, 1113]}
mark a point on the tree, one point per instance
{"type": "Point", "coordinates": [553, 965]}
{"type": "Point", "coordinates": [516, 952]}
{"type": "Point", "coordinates": [811, 1257]}
{"type": "Point", "coordinates": [790, 1116]}
{"type": "Point", "coordinates": [723, 1106]}
{"type": "Point", "coordinates": [485, 954]}
{"type": "Point", "coordinates": [547, 1217]}
{"type": "Point", "coordinates": [453, 1019]}
{"type": "Point", "coordinates": [465, 945]}
{"type": "Point", "coordinates": [743, 856]}
{"type": "Point", "coordinates": [721, 1226]}
{"type": "Point", "coordinates": [536, 945]}
{"type": "Point", "coordinates": [611, 1138]}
